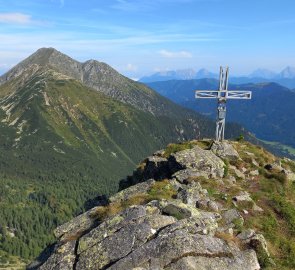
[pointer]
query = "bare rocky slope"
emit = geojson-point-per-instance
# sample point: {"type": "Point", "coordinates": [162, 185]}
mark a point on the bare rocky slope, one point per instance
{"type": "Point", "coordinates": [97, 75]}
{"type": "Point", "coordinates": [195, 205]}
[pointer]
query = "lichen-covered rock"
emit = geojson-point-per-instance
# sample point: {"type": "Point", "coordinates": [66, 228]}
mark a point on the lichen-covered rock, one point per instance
{"type": "Point", "coordinates": [129, 192]}
{"type": "Point", "coordinates": [232, 216]}
{"type": "Point", "coordinates": [237, 172]}
{"type": "Point", "coordinates": [244, 261]}
{"type": "Point", "coordinates": [76, 226]}
{"type": "Point", "coordinates": [165, 251]}
{"type": "Point", "coordinates": [195, 227]}
{"type": "Point", "coordinates": [258, 243]}
{"type": "Point", "coordinates": [182, 176]}
{"type": "Point", "coordinates": [63, 257]}
{"type": "Point", "coordinates": [190, 194]}
{"type": "Point", "coordinates": [289, 175]}
{"type": "Point", "coordinates": [243, 196]}
{"type": "Point", "coordinates": [120, 243]}
{"type": "Point", "coordinates": [114, 224]}
{"type": "Point", "coordinates": [224, 150]}
{"type": "Point", "coordinates": [204, 162]}
{"type": "Point", "coordinates": [180, 210]}
{"type": "Point", "coordinates": [156, 167]}
{"type": "Point", "coordinates": [254, 173]}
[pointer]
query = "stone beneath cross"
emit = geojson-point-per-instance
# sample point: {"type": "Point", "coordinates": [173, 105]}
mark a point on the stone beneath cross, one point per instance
{"type": "Point", "coordinates": [222, 95]}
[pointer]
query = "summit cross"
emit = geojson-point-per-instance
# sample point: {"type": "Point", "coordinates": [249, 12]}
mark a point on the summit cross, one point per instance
{"type": "Point", "coordinates": [222, 95]}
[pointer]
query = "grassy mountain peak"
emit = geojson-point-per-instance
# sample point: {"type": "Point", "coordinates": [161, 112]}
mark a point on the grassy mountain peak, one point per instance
{"type": "Point", "coordinates": [96, 75]}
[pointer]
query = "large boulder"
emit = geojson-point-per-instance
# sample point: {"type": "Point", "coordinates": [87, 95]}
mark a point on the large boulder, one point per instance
{"type": "Point", "coordinates": [168, 251]}
{"type": "Point", "coordinates": [75, 227]}
{"type": "Point", "coordinates": [63, 257]}
{"type": "Point", "coordinates": [129, 192]}
{"type": "Point", "coordinates": [224, 149]}
{"type": "Point", "coordinates": [202, 162]}
{"type": "Point", "coordinates": [258, 243]}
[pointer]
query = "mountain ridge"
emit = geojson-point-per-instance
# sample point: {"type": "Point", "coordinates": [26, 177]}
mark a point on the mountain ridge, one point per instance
{"type": "Point", "coordinates": [96, 75]}
{"type": "Point", "coordinates": [286, 77]}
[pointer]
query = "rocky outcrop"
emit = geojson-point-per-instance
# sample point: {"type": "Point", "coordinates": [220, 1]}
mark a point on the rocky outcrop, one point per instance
{"type": "Point", "coordinates": [189, 229]}
{"type": "Point", "coordinates": [224, 150]}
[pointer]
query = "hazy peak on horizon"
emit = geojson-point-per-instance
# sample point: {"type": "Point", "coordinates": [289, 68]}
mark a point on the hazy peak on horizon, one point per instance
{"type": "Point", "coordinates": [190, 74]}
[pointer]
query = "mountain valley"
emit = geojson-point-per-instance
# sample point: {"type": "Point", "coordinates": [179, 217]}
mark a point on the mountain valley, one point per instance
{"type": "Point", "coordinates": [269, 115]}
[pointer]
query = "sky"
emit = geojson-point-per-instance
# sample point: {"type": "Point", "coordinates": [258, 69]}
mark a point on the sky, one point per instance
{"type": "Point", "coordinates": [141, 37]}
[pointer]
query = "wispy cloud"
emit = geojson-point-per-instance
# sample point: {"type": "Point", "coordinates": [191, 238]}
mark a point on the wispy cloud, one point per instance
{"type": "Point", "coordinates": [179, 54]}
{"type": "Point", "coordinates": [147, 5]}
{"type": "Point", "coordinates": [15, 18]}
{"type": "Point", "coordinates": [125, 5]}
{"type": "Point", "coordinates": [131, 67]}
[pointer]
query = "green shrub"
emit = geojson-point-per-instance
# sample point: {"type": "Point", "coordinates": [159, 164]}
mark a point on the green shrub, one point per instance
{"type": "Point", "coordinates": [173, 148]}
{"type": "Point", "coordinates": [240, 138]}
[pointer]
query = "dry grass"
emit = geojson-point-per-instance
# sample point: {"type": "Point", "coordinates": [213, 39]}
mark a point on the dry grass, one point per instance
{"type": "Point", "coordinates": [231, 239]}
{"type": "Point", "coordinates": [159, 190]}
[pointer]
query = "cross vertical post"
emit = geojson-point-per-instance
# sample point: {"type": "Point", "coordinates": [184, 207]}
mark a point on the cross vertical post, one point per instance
{"type": "Point", "coordinates": [222, 94]}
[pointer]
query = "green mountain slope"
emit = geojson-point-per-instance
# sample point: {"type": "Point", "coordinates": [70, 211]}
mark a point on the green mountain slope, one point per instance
{"type": "Point", "coordinates": [63, 143]}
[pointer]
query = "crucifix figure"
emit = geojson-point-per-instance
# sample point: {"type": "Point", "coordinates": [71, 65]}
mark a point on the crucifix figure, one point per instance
{"type": "Point", "coordinates": [222, 95]}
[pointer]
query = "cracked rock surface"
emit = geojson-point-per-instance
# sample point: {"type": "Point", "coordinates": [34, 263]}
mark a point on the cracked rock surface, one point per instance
{"type": "Point", "coordinates": [185, 231]}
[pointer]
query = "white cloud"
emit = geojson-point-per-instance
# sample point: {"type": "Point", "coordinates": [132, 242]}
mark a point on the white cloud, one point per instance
{"type": "Point", "coordinates": [179, 54]}
{"type": "Point", "coordinates": [159, 69]}
{"type": "Point", "coordinates": [15, 18]}
{"type": "Point", "coordinates": [131, 67]}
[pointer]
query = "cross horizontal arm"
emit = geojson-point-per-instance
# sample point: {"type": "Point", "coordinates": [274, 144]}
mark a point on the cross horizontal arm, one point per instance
{"type": "Point", "coordinates": [233, 94]}
{"type": "Point", "coordinates": [223, 94]}
{"type": "Point", "coordinates": [206, 94]}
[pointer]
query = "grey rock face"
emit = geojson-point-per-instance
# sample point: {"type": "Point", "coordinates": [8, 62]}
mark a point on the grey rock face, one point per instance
{"type": "Point", "coordinates": [205, 162]}
{"type": "Point", "coordinates": [244, 261]}
{"type": "Point", "coordinates": [168, 254]}
{"type": "Point", "coordinates": [180, 210]}
{"type": "Point", "coordinates": [178, 233]}
{"type": "Point", "coordinates": [231, 216]}
{"type": "Point", "coordinates": [75, 226]}
{"type": "Point", "coordinates": [237, 172]}
{"type": "Point", "coordinates": [258, 243]}
{"type": "Point", "coordinates": [191, 194]}
{"type": "Point", "coordinates": [243, 197]}
{"type": "Point", "coordinates": [224, 150]}
{"type": "Point", "coordinates": [120, 243]}
{"type": "Point", "coordinates": [63, 257]}
{"type": "Point", "coordinates": [182, 176]}
{"type": "Point", "coordinates": [125, 194]}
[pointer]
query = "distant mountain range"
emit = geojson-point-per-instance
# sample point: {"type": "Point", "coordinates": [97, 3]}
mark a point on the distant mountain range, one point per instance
{"type": "Point", "coordinates": [269, 115]}
{"type": "Point", "coordinates": [286, 77]}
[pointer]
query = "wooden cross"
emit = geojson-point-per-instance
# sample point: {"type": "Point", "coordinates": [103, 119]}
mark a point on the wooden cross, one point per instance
{"type": "Point", "coordinates": [222, 95]}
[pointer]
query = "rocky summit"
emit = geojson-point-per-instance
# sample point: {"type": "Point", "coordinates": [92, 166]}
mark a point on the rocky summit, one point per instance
{"type": "Point", "coordinates": [195, 205]}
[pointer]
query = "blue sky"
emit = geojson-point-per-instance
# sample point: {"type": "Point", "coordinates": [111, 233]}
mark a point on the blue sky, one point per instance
{"type": "Point", "coordinates": [140, 37]}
